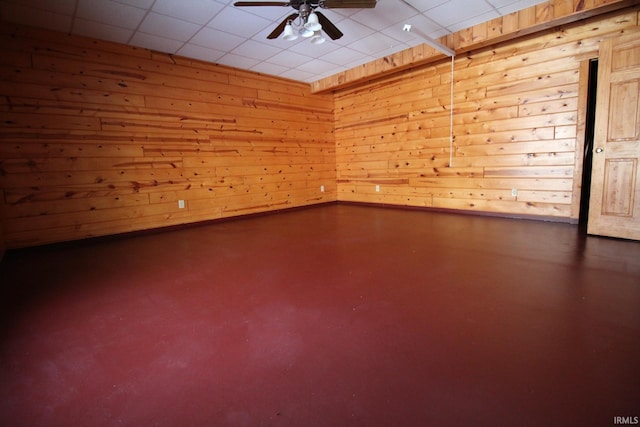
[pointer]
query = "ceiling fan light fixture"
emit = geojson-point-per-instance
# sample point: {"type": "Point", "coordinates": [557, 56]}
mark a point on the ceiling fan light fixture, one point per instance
{"type": "Point", "coordinates": [317, 38]}
{"type": "Point", "coordinates": [289, 34]}
{"type": "Point", "coordinates": [312, 22]}
{"type": "Point", "coordinates": [305, 32]}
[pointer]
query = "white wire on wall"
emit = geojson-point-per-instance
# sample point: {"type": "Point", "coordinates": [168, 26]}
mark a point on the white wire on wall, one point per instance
{"type": "Point", "coordinates": [452, 54]}
{"type": "Point", "coordinates": [453, 57]}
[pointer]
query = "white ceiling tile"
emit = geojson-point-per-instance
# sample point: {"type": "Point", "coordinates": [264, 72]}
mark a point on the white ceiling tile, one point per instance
{"type": "Point", "coordinates": [236, 21]}
{"type": "Point", "coordinates": [501, 3]}
{"type": "Point", "coordinates": [516, 6]}
{"type": "Point", "coordinates": [423, 5]}
{"type": "Point", "coordinates": [295, 74]}
{"type": "Point", "coordinates": [455, 11]}
{"type": "Point", "coordinates": [521, 4]}
{"type": "Point", "coordinates": [438, 33]}
{"type": "Point", "coordinates": [343, 56]}
{"type": "Point", "coordinates": [142, 4]}
{"type": "Point", "coordinates": [473, 21]}
{"type": "Point", "coordinates": [152, 42]}
{"type": "Point", "coordinates": [237, 61]}
{"type": "Point", "coordinates": [110, 13]}
{"type": "Point", "coordinates": [269, 68]}
{"type": "Point", "coordinates": [197, 11]}
{"type": "Point", "coordinates": [315, 50]}
{"type": "Point", "coordinates": [101, 31]}
{"type": "Point", "coordinates": [391, 50]}
{"type": "Point", "coordinates": [352, 31]}
{"type": "Point", "coordinates": [289, 59]}
{"type": "Point", "coordinates": [346, 12]}
{"type": "Point", "coordinates": [420, 26]}
{"type": "Point", "coordinates": [201, 53]}
{"type": "Point", "coordinates": [374, 43]}
{"type": "Point", "coordinates": [214, 39]}
{"type": "Point", "coordinates": [257, 50]}
{"type": "Point", "coordinates": [275, 14]}
{"type": "Point", "coordinates": [384, 14]}
{"type": "Point", "coordinates": [167, 27]}
{"type": "Point", "coordinates": [317, 66]}
{"type": "Point", "coordinates": [217, 31]}
{"type": "Point", "coordinates": [280, 43]}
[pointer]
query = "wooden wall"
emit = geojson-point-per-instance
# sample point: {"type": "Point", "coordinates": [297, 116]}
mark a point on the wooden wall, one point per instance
{"type": "Point", "coordinates": [98, 138]}
{"type": "Point", "coordinates": [543, 16]}
{"type": "Point", "coordinates": [518, 126]}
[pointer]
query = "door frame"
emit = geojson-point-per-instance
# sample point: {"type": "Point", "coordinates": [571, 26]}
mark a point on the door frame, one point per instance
{"type": "Point", "coordinates": [580, 169]}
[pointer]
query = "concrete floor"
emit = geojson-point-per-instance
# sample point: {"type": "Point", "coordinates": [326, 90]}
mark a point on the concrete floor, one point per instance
{"type": "Point", "coordinates": [338, 315]}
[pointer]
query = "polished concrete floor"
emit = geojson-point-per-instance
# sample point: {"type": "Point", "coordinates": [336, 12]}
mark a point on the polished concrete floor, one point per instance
{"type": "Point", "coordinates": [339, 315]}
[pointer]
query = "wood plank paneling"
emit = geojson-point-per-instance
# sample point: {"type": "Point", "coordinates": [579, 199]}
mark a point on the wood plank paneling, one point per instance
{"type": "Point", "coordinates": [99, 138]}
{"type": "Point", "coordinates": [518, 118]}
{"type": "Point", "coordinates": [528, 21]}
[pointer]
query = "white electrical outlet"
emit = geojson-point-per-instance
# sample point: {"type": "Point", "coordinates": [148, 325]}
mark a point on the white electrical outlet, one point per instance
{"type": "Point", "coordinates": [514, 192]}
{"type": "Point", "coordinates": [180, 204]}
{"type": "Point", "coordinates": [322, 188]}
{"type": "Point", "coordinates": [377, 188]}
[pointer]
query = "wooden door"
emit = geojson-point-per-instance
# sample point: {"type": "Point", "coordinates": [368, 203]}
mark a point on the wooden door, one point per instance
{"type": "Point", "coordinates": [615, 180]}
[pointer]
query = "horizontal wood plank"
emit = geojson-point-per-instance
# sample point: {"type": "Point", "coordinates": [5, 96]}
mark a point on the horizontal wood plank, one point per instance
{"type": "Point", "coordinates": [100, 138]}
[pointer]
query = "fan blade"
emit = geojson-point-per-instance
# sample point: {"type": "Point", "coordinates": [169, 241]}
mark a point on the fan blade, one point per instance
{"type": "Point", "coordinates": [280, 28]}
{"type": "Point", "coordinates": [347, 4]}
{"type": "Point", "coordinates": [261, 3]}
{"type": "Point", "coordinates": [328, 27]}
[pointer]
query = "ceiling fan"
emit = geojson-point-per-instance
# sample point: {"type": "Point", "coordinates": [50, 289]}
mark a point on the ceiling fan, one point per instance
{"type": "Point", "coordinates": [311, 20]}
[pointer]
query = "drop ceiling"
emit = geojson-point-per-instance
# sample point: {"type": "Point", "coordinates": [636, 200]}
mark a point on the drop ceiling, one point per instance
{"type": "Point", "coordinates": [216, 31]}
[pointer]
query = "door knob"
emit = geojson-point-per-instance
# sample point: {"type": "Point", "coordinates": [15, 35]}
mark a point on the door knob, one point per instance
{"type": "Point", "coordinates": [599, 150]}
